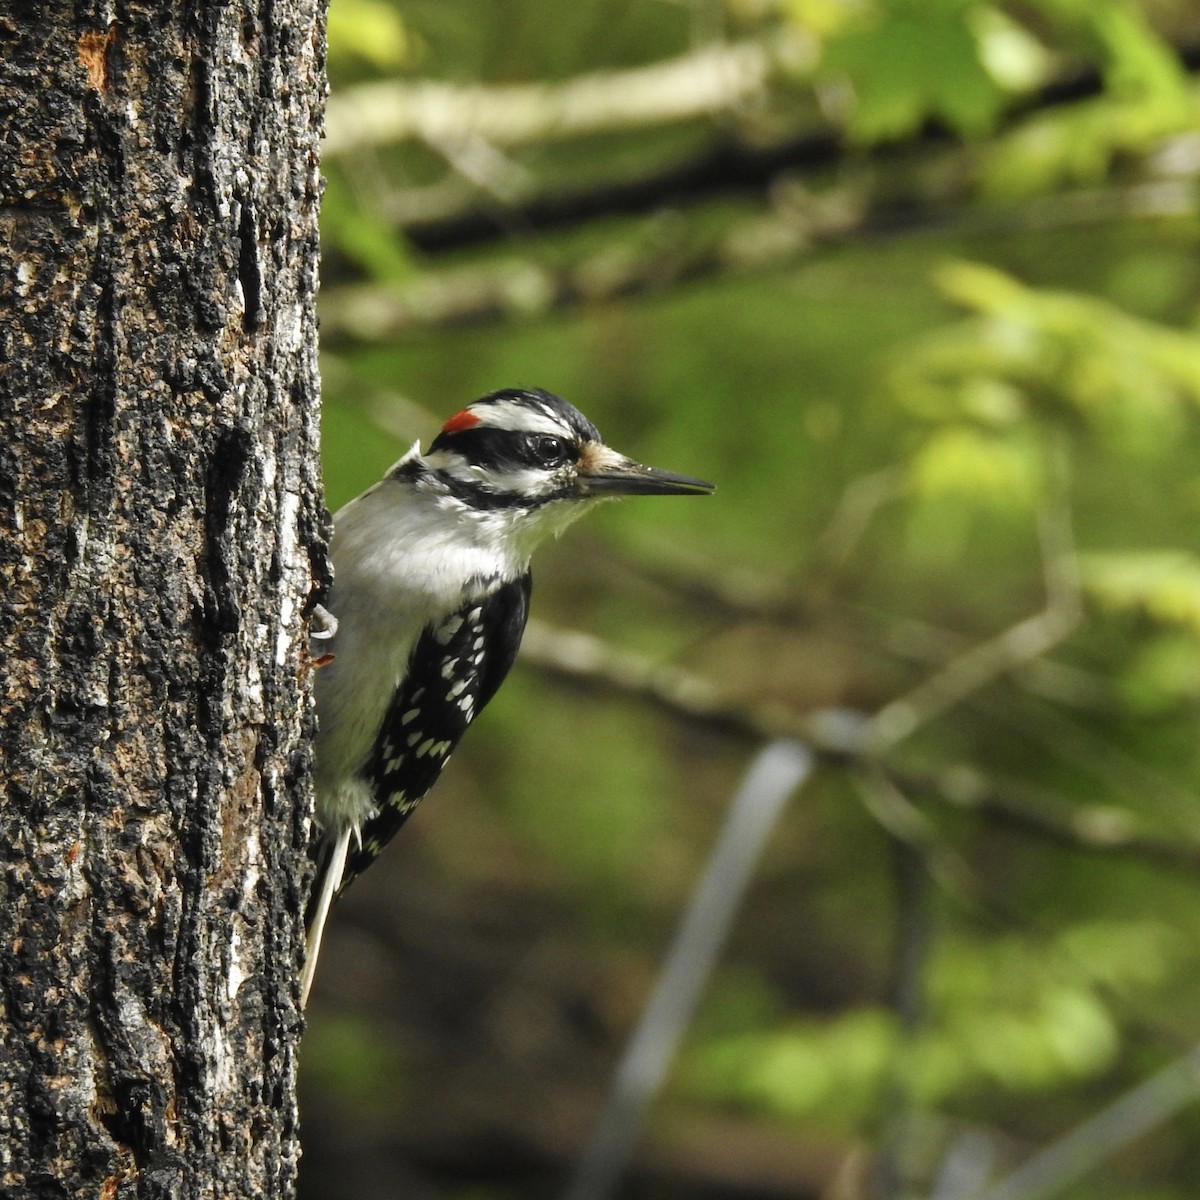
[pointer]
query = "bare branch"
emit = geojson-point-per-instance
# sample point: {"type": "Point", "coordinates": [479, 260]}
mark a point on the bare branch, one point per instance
{"type": "Point", "coordinates": [909, 826]}
{"type": "Point", "coordinates": [859, 503]}
{"type": "Point", "coordinates": [668, 253]}
{"type": "Point", "coordinates": [774, 775]}
{"type": "Point", "coordinates": [1078, 1153]}
{"type": "Point", "coordinates": [663, 256]}
{"type": "Point", "coordinates": [1063, 739]}
{"type": "Point", "coordinates": [837, 737]}
{"type": "Point", "coordinates": [720, 77]}
{"type": "Point", "coordinates": [1021, 643]}
{"type": "Point", "coordinates": [569, 654]}
{"type": "Point", "coordinates": [1096, 828]}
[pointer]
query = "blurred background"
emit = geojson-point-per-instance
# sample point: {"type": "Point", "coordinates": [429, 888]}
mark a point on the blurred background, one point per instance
{"type": "Point", "coordinates": [916, 283]}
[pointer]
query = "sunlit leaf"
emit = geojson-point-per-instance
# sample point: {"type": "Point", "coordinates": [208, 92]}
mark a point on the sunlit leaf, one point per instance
{"type": "Point", "coordinates": [1163, 584]}
{"type": "Point", "coordinates": [1139, 60]}
{"type": "Point", "coordinates": [1014, 58]}
{"type": "Point", "coordinates": [1079, 144]}
{"type": "Point", "coordinates": [967, 462]}
{"type": "Point", "coordinates": [1079, 1029]}
{"type": "Point", "coordinates": [1147, 97]}
{"type": "Point", "coordinates": [1163, 673]}
{"type": "Point", "coordinates": [835, 1067]}
{"type": "Point", "coordinates": [825, 17]}
{"type": "Point", "coordinates": [1124, 953]}
{"type": "Point", "coordinates": [369, 30]}
{"type": "Point", "coordinates": [1037, 351]}
{"type": "Point", "coordinates": [913, 63]}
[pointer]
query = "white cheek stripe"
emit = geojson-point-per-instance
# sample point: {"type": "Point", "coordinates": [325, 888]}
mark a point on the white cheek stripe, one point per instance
{"type": "Point", "coordinates": [527, 480]}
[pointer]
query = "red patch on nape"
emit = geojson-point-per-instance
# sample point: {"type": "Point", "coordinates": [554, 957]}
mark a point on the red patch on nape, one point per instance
{"type": "Point", "coordinates": [460, 421]}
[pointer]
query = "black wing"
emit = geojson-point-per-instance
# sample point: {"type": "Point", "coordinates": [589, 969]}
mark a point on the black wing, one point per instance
{"type": "Point", "coordinates": [454, 671]}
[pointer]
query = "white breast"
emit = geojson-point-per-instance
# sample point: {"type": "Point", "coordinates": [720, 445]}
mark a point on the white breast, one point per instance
{"type": "Point", "coordinates": [402, 560]}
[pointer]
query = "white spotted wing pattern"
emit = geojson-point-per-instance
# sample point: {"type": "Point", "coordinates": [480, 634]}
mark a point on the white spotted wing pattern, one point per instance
{"type": "Point", "coordinates": [454, 671]}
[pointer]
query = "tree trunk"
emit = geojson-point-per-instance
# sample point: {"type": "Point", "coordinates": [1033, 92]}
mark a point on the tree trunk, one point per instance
{"type": "Point", "coordinates": [160, 532]}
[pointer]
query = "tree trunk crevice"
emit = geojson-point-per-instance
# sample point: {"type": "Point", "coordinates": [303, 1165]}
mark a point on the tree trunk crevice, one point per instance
{"type": "Point", "coordinates": [161, 535]}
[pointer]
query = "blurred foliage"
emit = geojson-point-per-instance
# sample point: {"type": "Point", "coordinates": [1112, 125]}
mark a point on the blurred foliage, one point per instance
{"type": "Point", "coordinates": [924, 304]}
{"type": "Point", "coordinates": [1011, 1017]}
{"type": "Point", "coordinates": [368, 35]}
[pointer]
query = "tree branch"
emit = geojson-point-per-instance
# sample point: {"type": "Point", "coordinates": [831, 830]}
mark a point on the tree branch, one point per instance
{"type": "Point", "coordinates": [1023, 642]}
{"type": "Point", "coordinates": [777, 772]}
{"type": "Point", "coordinates": [1094, 1141]}
{"type": "Point", "coordinates": [668, 253]}
{"type": "Point", "coordinates": [719, 77]}
{"type": "Point", "coordinates": [457, 121]}
{"type": "Point", "coordinates": [837, 738]}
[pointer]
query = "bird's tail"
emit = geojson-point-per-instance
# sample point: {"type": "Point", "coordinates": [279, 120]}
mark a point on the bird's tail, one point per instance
{"type": "Point", "coordinates": [325, 886]}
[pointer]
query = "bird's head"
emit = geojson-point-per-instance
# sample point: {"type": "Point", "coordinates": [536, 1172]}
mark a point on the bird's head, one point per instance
{"type": "Point", "coordinates": [535, 454]}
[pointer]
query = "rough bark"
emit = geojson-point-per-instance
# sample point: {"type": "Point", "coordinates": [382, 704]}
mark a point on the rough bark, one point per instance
{"type": "Point", "coordinates": [160, 534]}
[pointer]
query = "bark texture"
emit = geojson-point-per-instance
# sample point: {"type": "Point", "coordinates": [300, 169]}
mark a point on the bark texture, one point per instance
{"type": "Point", "coordinates": [160, 535]}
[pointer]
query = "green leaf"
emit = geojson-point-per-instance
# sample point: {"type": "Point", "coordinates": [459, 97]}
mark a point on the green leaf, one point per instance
{"type": "Point", "coordinates": [1147, 97]}
{"type": "Point", "coordinates": [1163, 673]}
{"type": "Point", "coordinates": [1014, 58]}
{"type": "Point", "coordinates": [966, 462]}
{"type": "Point", "coordinates": [913, 63]}
{"type": "Point", "coordinates": [368, 30]}
{"type": "Point", "coordinates": [1162, 584]}
{"type": "Point", "coordinates": [1119, 954]}
{"type": "Point", "coordinates": [1059, 353]}
{"type": "Point", "coordinates": [834, 1068]}
{"type": "Point", "coordinates": [362, 235]}
{"type": "Point", "coordinates": [1139, 61]}
{"type": "Point", "coordinates": [1079, 1030]}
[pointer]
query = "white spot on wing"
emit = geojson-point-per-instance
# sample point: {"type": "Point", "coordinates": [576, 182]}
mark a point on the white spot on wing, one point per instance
{"type": "Point", "coordinates": [447, 630]}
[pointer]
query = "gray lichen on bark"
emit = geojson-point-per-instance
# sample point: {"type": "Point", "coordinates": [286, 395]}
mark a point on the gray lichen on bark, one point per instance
{"type": "Point", "coordinates": [160, 540]}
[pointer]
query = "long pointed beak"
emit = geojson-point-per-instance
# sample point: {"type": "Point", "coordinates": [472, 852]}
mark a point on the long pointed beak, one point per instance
{"type": "Point", "coordinates": [604, 472]}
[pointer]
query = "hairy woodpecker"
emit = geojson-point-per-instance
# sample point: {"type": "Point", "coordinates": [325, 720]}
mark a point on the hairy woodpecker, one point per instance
{"type": "Point", "coordinates": [429, 600]}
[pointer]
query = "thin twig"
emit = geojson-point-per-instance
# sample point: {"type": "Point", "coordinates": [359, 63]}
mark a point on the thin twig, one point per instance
{"type": "Point", "coordinates": [1021, 643]}
{"type": "Point", "coordinates": [835, 736]}
{"type": "Point", "coordinates": [912, 939]}
{"type": "Point", "coordinates": [1094, 828]}
{"type": "Point", "coordinates": [774, 775]}
{"type": "Point", "coordinates": [1095, 757]}
{"type": "Point", "coordinates": [487, 168]}
{"type": "Point", "coordinates": [859, 503]}
{"type": "Point", "coordinates": [885, 800]}
{"type": "Point", "coordinates": [1096, 1140]}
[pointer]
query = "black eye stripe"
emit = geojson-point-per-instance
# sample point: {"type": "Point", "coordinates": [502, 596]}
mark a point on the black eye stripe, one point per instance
{"type": "Point", "coordinates": [505, 448]}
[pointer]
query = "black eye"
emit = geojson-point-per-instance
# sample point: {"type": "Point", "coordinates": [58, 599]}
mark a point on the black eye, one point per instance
{"type": "Point", "coordinates": [548, 450]}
